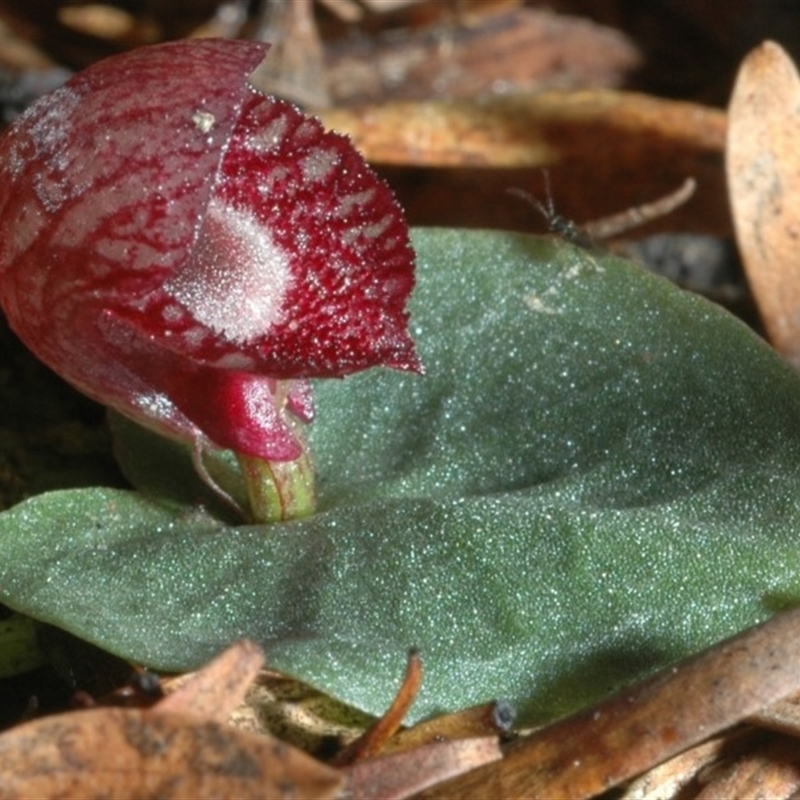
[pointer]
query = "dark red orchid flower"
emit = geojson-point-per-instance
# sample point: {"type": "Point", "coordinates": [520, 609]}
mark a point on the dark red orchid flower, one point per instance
{"type": "Point", "coordinates": [187, 250]}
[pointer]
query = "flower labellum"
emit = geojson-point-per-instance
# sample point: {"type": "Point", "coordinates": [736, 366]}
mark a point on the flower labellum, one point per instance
{"type": "Point", "coordinates": [188, 250]}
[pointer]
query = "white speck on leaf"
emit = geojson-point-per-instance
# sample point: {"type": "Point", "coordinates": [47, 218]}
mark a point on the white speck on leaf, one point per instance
{"type": "Point", "coordinates": [535, 303]}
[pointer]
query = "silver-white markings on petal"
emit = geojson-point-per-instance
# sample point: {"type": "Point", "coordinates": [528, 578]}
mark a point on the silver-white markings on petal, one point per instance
{"type": "Point", "coordinates": [237, 279]}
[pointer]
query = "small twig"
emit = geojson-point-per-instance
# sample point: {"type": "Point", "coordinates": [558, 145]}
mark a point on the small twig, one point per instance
{"type": "Point", "coordinates": [375, 736]}
{"type": "Point", "coordinates": [609, 227]}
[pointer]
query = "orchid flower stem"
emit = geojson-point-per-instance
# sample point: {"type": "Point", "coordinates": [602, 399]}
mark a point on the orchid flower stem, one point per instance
{"type": "Point", "coordinates": [278, 490]}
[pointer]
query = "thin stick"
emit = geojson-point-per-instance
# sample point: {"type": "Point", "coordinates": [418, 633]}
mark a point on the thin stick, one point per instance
{"type": "Point", "coordinates": [609, 227]}
{"type": "Point", "coordinates": [381, 731]}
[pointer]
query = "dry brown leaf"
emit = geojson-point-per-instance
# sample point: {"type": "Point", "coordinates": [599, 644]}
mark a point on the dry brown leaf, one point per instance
{"type": "Point", "coordinates": [538, 130]}
{"type": "Point", "coordinates": [763, 169]}
{"type": "Point", "coordinates": [604, 151]}
{"type": "Point", "coordinates": [216, 690]}
{"type": "Point", "coordinates": [18, 53]}
{"type": "Point", "coordinates": [517, 49]}
{"type": "Point", "coordinates": [385, 6]}
{"type": "Point", "coordinates": [747, 762]}
{"type": "Point", "coordinates": [123, 753]}
{"type": "Point", "coordinates": [181, 748]}
{"type": "Point", "coordinates": [178, 748]}
{"type": "Point", "coordinates": [644, 725]}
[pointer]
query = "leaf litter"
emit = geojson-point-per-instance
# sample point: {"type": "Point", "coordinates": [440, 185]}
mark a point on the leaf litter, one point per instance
{"type": "Point", "coordinates": [182, 746]}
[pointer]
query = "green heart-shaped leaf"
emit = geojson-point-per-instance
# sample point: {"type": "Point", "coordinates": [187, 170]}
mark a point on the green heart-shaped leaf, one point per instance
{"type": "Point", "coordinates": [598, 475]}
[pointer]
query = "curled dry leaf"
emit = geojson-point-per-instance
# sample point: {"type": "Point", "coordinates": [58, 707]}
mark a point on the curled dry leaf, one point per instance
{"type": "Point", "coordinates": [763, 169]}
{"type": "Point", "coordinates": [745, 762]}
{"type": "Point", "coordinates": [178, 748]}
{"type": "Point", "coordinates": [644, 725]}
{"type": "Point", "coordinates": [215, 691]}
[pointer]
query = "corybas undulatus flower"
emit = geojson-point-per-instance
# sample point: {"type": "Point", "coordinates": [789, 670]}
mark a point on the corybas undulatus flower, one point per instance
{"type": "Point", "coordinates": [189, 251]}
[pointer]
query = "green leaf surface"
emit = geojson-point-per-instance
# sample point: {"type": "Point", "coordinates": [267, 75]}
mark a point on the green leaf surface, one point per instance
{"type": "Point", "coordinates": [598, 475]}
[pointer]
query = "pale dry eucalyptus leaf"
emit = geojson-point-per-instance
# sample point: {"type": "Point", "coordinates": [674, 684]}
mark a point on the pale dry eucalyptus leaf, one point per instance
{"type": "Point", "coordinates": [763, 171]}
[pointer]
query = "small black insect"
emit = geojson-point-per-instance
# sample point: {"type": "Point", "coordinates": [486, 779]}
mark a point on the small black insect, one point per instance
{"type": "Point", "coordinates": [589, 234]}
{"type": "Point", "coordinates": [556, 223]}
